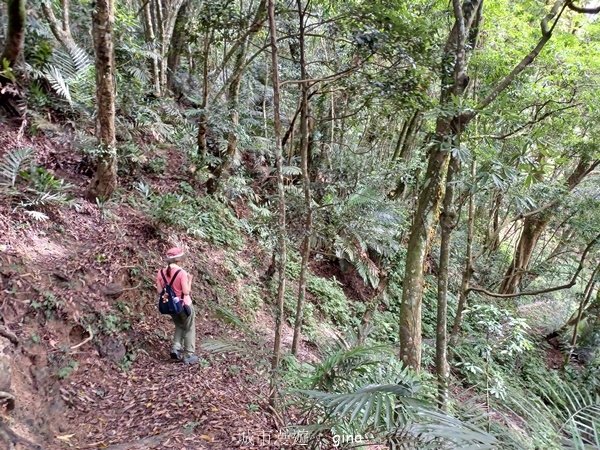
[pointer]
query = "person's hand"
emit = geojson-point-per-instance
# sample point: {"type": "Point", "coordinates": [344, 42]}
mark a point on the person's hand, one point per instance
{"type": "Point", "coordinates": [187, 300]}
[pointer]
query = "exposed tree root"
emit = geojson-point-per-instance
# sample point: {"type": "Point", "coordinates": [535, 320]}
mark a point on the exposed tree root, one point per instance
{"type": "Point", "coordinates": [12, 439]}
{"type": "Point", "coordinates": [9, 335]}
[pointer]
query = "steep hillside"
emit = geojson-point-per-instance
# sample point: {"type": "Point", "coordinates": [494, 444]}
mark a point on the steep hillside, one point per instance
{"type": "Point", "coordinates": [88, 361]}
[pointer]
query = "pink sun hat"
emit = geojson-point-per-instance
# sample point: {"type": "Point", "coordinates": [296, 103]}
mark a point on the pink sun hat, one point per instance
{"type": "Point", "coordinates": [174, 254]}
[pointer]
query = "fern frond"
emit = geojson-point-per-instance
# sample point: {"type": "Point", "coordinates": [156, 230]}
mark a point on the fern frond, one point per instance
{"type": "Point", "coordinates": [139, 74]}
{"type": "Point", "coordinates": [37, 215]}
{"type": "Point", "coordinates": [289, 171]}
{"type": "Point", "coordinates": [223, 346]}
{"type": "Point", "coordinates": [58, 83]}
{"type": "Point", "coordinates": [11, 164]}
{"type": "Point", "coordinates": [80, 59]}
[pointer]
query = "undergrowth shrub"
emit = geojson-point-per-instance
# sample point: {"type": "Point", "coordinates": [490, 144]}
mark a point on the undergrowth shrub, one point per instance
{"type": "Point", "coordinates": [30, 187]}
{"type": "Point", "coordinates": [330, 299]}
{"type": "Point", "coordinates": [202, 217]}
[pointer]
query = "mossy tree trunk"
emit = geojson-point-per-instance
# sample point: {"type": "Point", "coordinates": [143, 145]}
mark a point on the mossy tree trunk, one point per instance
{"type": "Point", "coordinates": [104, 181]}
{"type": "Point", "coordinates": [448, 222]}
{"type": "Point", "coordinates": [15, 35]}
{"type": "Point", "coordinates": [304, 156]}
{"type": "Point", "coordinates": [281, 222]}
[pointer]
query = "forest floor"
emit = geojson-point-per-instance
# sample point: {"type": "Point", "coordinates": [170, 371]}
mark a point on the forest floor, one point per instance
{"type": "Point", "coordinates": [93, 268]}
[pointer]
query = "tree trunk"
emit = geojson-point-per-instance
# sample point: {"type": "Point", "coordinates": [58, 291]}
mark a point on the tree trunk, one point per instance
{"type": "Point", "coordinates": [104, 181]}
{"type": "Point", "coordinates": [60, 29]}
{"type": "Point", "coordinates": [15, 35]}
{"type": "Point", "coordinates": [233, 88]}
{"type": "Point", "coordinates": [151, 39]}
{"type": "Point", "coordinates": [423, 226]}
{"type": "Point", "coordinates": [177, 44]}
{"type": "Point", "coordinates": [233, 95]}
{"type": "Point", "coordinates": [281, 196]}
{"type": "Point", "coordinates": [533, 228]}
{"type": "Point", "coordinates": [586, 296]}
{"type": "Point", "coordinates": [448, 222]}
{"type": "Point", "coordinates": [304, 155]}
{"type": "Point", "coordinates": [203, 119]}
{"type": "Point", "coordinates": [404, 149]}
{"type": "Point", "coordinates": [468, 271]}
{"type": "Point", "coordinates": [168, 17]}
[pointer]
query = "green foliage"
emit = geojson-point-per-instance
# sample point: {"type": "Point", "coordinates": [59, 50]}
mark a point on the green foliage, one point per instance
{"type": "Point", "coordinates": [31, 188]}
{"type": "Point", "coordinates": [365, 391]}
{"type": "Point", "coordinates": [67, 370]}
{"type": "Point", "coordinates": [49, 304]}
{"type": "Point", "coordinates": [202, 217]}
{"type": "Point", "coordinates": [250, 300]}
{"type": "Point", "coordinates": [330, 299]}
{"type": "Point", "coordinates": [114, 323]}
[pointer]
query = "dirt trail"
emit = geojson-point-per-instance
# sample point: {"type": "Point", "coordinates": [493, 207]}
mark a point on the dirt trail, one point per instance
{"type": "Point", "coordinates": [162, 404]}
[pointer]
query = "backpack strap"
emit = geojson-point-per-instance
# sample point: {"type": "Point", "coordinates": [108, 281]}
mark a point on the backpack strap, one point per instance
{"type": "Point", "coordinates": [172, 278]}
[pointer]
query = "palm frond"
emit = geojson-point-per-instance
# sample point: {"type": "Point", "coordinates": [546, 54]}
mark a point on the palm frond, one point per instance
{"type": "Point", "coordinates": [344, 362]}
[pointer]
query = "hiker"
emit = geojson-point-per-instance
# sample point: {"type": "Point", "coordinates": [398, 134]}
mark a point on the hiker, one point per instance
{"type": "Point", "coordinates": [184, 341]}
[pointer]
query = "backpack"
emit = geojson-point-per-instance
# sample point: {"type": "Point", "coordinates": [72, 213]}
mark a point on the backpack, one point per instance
{"type": "Point", "coordinates": [168, 302]}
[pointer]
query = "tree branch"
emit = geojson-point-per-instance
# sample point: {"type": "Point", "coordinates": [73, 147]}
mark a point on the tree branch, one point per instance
{"type": "Point", "coordinates": [568, 285]}
{"type": "Point", "coordinates": [536, 119]}
{"type": "Point", "coordinates": [526, 61]}
{"type": "Point", "coordinates": [579, 9]}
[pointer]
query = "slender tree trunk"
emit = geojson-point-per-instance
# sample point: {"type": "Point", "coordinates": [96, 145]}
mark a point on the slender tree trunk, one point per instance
{"type": "Point", "coordinates": [404, 148]}
{"type": "Point", "coordinates": [448, 222]}
{"type": "Point", "coordinates": [104, 181]}
{"type": "Point", "coordinates": [233, 95]}
{"type": "Point", "coordinates": [468, 270]}
{"type": "Point", "coordinates": [533, 227]}
{"type": "Point", "coordinates": [151, 40]}
{"type": "Point", "coordinates": [586, 296]}
{"type": "Point", "coordinates": [304, 155]}
{"type": "Point", "coordinates": [281, 196]}
{"type": "Point", "coordinates": [233, 88]}
{"type": "Point", "coordinates": [15, 35]}
{"type": "Point", "coordinates": [60, 29]}
{"type": "Point", "coordinates": [203, 119]}
{"type": "Point", "coordinates": [492, 242]}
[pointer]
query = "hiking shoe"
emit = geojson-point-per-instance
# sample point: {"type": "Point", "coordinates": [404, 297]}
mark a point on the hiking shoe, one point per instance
{"type": "Point", "coordinates": [190, 359]}
{"type": "Point", "coordinates": [176, 355]}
